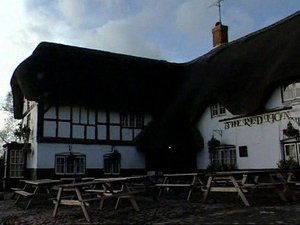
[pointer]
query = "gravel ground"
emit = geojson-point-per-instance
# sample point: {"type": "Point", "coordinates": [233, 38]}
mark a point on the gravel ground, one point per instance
{"type": "Point", "coordinates": [170, 209]}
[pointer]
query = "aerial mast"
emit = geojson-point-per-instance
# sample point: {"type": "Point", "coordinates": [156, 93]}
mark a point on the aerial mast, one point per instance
{"type": "Point", "coordinates": [219, 5]}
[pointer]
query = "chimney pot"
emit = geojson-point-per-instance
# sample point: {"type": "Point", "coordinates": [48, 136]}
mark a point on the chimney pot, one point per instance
{"type": "Point", "coordinates": [220, 34]}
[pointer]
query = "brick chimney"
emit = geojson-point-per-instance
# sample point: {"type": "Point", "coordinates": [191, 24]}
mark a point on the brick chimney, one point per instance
{"type": "Point", "coordinates": [220, 34]}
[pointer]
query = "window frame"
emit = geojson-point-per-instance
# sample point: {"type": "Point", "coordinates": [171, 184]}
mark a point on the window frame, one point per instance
{"type": "Point", "coordinates": [112, 161]}
{"type": "Point", "coordinates": [224, 157]}
{"type": "Point", "coordinates": [132, 120]}
{"type": "Point", "coordinates": [217, 109]}
{"type": "Point", "coordinates": [65, 156]}
{"type": "Point", "coordinates": [15, 155]}
{"type": "Point", "coordinates": [288, 156]}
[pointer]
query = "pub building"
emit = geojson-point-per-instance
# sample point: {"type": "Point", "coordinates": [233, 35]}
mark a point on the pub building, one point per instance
{"type": "Point", "coordinates": [92, 113]}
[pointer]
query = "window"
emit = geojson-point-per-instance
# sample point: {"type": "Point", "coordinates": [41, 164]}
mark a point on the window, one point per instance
{"type": "Point", "coordinates": [217, 110]}
{"type": "Point", "coordinates": [130, 120]}
{"type": "Point", "coordinates": [291, 92]}
{"type": "Point", "coordinates": [224, 156]}
{"type": "Point", "coordinates": [243, 151]}
{"type": "Point", "coordinates": [290, 152]}
{"type": "Point", "coordinates": [70, 164]}
{"type": "Point", "coordinates": [16, 163]}
{"type": "Point", "coordinates": [112, 163]}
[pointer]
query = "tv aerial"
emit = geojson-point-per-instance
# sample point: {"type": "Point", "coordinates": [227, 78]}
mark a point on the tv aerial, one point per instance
{"type": "Point", "coordinates": [218, 4]}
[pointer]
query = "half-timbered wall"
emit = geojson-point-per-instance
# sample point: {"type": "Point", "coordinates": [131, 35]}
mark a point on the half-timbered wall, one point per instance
{"type": "Point", "coordinates": [96, 133]}
{"type": "Point", "coordinates": [79, 123]}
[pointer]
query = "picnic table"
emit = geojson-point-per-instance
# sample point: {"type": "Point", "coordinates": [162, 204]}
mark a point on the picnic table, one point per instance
{"type": "Point", "coordinates": [227, 182]}
{"type": "Point", "coordinates": [181, 180]}
{"type": "Point", "coordinates": [107, 191]}
{"type": "Point", "coordinates": [34, 185]}
{"type": "Point", "coordinates": [292, 178]}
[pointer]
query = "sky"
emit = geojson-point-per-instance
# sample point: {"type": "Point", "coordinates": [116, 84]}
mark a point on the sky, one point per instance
{"type": "Point", "coordinates": [172, 30]}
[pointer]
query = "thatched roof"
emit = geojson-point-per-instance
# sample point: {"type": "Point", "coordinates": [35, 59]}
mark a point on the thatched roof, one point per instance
{"type": "Point", "coordinates": [241, 74]}
{"type": "Point", "coordinates": [71, 75]}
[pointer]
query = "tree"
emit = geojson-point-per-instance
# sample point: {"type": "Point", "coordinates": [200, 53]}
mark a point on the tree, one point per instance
{"type": "Point", "coordinates": [8, 103]}
{"type": "Point", "coordinates": [7, 133]}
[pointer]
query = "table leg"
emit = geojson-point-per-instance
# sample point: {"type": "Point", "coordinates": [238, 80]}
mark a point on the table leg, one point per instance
{"type": "Point", "coordinates": [134, 203]}
{"type": "Point", "coordinates": [239, 191]}
{"type": "Point", "coordinates": [117, 203]}
{"type": "Point", "coordinates": [79, 196]}
{"type": "Point", "coordinates": [191, 188]}
{"type": "Point", "coordinates": [30, 200]}
{"type": "Point", "coordinates": [280, 193]}
{"type": "Point", "coordinates": [60, 190]}
{"type": "Point", "coordinates": [208, 186]}
{"type": "Point", "coordinates": [101, 203]}
{"type": "Point", "coordinates": [162, 188]}
{"type": "Point", "coordinates": [119, 198]}
{"type": "Point", "coordinates": [19, 197]}
{"type": "Point", "coordinates": [276, 189]}
{"type": "Point", "coordinates": [287, 189]}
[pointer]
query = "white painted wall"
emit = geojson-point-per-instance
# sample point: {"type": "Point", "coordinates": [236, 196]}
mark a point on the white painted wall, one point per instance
{"type": "Point", "coordinates": [130, 157]}
{"type": "Point", "coordinates": [32, 156]}
{"type": "Point", "coordinates": [262, 140]}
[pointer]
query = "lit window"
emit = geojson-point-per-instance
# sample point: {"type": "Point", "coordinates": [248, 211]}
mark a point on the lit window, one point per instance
{"type": "Point", "coordinates": [130, 120]}
{"type": "Point", "coordinates": [16, 163]}
{"type": "Point", "coordinates": [69, 164]}
{"type": "Point", "coordinates": [291, 92]}
{"type": "Point", "coordinates": [217, 110]}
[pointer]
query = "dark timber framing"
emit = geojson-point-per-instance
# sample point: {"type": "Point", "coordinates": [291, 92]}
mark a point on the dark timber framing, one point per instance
{"type": "Point", "coordinates": [87, 118]}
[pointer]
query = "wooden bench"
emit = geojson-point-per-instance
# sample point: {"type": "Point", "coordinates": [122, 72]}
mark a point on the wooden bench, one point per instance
{"type": "Point", "coordinates": [14, 191]}
{"type": "Point", "coordinates": [262, 185]}
{"type": "Point", "coordinates": [119, 194]}
{"type": "Point", "coordinates": [174, 185]}
{"type": "Point", "coordinates": [24, 193]}
{"type": "Point", "coordinates": [106, 192]}
{"type": "Point", "coordinates": [226, 189]}
{"type": "Point", "coordinates": [183, 180]}
{"type": "Point", "coordinates": [34, 185]}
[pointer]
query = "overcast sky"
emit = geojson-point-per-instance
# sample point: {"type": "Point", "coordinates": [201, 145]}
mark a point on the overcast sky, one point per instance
{"type": "Point", "coordinates": [173, 30]}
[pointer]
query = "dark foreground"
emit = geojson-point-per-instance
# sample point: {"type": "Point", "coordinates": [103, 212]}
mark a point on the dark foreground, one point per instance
{"type": "Point", "coordinates": [169, 210]}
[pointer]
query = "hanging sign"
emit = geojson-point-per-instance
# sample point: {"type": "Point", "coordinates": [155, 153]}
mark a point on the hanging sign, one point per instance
{"type": "Point", "coordinates": [258, 119]}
